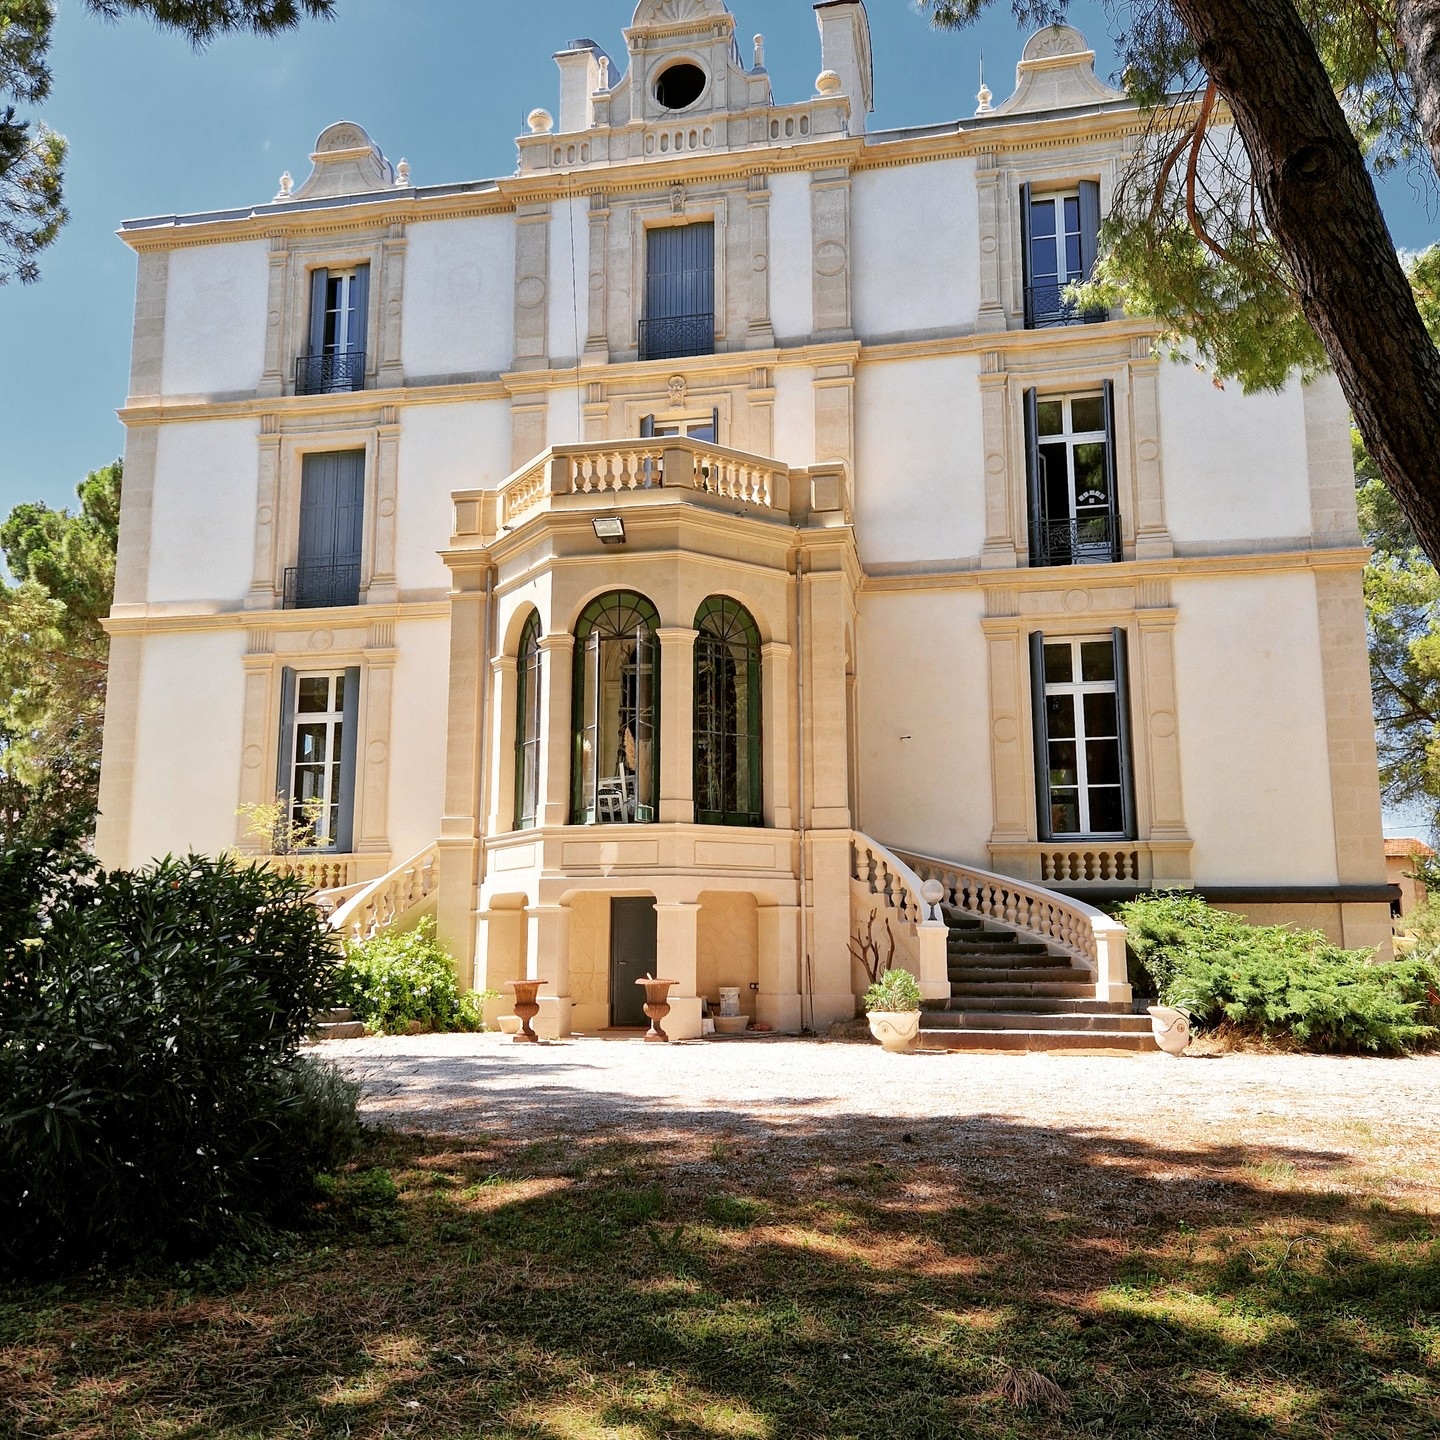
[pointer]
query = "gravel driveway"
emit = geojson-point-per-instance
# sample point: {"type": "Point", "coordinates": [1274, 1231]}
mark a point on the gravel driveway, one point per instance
{"type": "Point", "coordinates": [1353, 1122]}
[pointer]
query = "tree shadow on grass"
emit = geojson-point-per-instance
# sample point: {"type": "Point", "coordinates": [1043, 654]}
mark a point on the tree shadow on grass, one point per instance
{"type": "Point", "coordinates": [706, 1273]}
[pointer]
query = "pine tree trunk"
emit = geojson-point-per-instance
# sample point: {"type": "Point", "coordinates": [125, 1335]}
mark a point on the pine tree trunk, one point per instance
{"type": "Point", "coordinates": [1418, 24]}
{"type": "Point", "coordinates": [1321, 207]}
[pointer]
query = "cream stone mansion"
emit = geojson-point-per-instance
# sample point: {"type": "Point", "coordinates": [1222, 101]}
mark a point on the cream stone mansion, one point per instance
{"type": "Point", "coordinates": [722, 540]}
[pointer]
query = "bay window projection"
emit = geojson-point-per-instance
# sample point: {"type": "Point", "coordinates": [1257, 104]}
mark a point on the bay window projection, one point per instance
{"type": "Point", "coordinates": [317, 755]}
{"type": "Point", "coordinates": [1060, 237]}
{"type": "Point", "coordinates": [1083, 774]}
{"type": "Point", "coordinates": [527, 726]}
{"type": "Point", "coordinates": [617, 708]}
{"type": "Point", "coordinates": [1071, 479]}
{"type": "Point", "coordinates": [727, 715]}
{"type": "Point", "coordinates": [335, 360]}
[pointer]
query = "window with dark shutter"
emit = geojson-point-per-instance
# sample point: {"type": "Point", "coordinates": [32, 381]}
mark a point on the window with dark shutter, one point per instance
{"type": "Point", "coordinates": [332, 527]}
{"type": "Point", "coordinates": [1059, 240]}
{"type": "Point", "coordinates": [1071, 481]}
{"type": "Point", "coordinates": [679, 317]}
{"type": "Point", "coordinates": [339, 311]}
{"type": "Point", "coordinates": [1084, 770]}
{"type": "Point", "coordinates": [319, 716]}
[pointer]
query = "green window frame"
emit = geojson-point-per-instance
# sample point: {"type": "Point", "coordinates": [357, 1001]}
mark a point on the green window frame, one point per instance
{"type": "Point", "coordinates": [615, 775]}
{"type": "Point", "coordinates": [727, 740]}
{"type": "Point", "coordinates": [527, 725]}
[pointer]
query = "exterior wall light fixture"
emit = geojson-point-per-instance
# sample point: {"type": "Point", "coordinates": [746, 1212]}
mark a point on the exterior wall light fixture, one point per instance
{"type": "Point", "coordinates": [609, 529]}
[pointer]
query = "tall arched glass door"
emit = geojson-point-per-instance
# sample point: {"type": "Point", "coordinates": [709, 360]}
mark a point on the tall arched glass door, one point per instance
{"type": "Point", "coordinates": [617, 707]}
{"type": "Point", "coordinates": [527, 725]}
{"type": "Point", "coordinates": [727, 715]}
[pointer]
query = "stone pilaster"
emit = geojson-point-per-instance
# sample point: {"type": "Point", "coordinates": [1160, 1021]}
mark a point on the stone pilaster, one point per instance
{"type": "Point", "coordinates": [1152, 536]}
{"type": "Point", "coordinates": [529, 421]}
{"type": "Point", "coordinates": [760, 334]}
{"type": "Point", "coordinates": [264, 594]}
{"type": "Point", "coordinates": [677, 944]}
{"type": "Point", "coordinates": [260, 726]}
{"type": "Point", "coordinates": [117, 764]}
{"type": "Point", "coordinates": [274, 380]}
{"type": "Point", "coordinates": [532, 270]}
{"type": "Point", "coordinates": [504, 673]}
{"type": "Point", "coordinates": [548, 958]}
{"type": "Point", "coordinates": [999, 552]}
{"type": "Point", "coordinates": [132, 558]}
{"type": "Point", "coordinates": [1153, 684]}
{"type": "Point", "coordinates": [778, 1003]}
{"type": "Point", "coordinates": [390, 369]}
{"type": "Point", "coordinates": [1330, 464]}
{"type": "Point", "coordinates": [775, 725]}
{"type": "Point", "coordinates": [677, 725]}
{"type": "Point", "coordinates": [372, 832]}
{"type": "Point", "coordinates": [1011, 764]}
{"type": "Point", "coordinates": [597, 340]}
{"type": "Point", "coordinates": [382, 589]}
{"type": "Point", "coordinates": [557, 681]}
{"type": "Point", "coordinates": [992, 303]}
{"type": "Point", "coordinates": [830, 241]}
{"type": "Point", "coordinates": [147, 344]}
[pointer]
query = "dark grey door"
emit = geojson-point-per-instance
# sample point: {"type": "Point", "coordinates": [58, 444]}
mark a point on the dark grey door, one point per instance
{"type": "Point", "coordinates": [632, 955]}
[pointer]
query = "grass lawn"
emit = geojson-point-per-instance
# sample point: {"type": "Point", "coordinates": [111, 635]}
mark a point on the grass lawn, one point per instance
{"type": "Point", "coordinates": [828, 1281]}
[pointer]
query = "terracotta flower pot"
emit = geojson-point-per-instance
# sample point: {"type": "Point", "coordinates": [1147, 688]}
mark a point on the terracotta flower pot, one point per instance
{"type": "Point", "coordinates": [897, 1030]}
{"type": "Point", "coordinates": [527, 1008]}
{"type": "Point", "coordinates": [657, 1006]}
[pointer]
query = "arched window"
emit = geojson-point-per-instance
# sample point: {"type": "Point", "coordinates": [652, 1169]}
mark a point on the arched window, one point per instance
{"type": "Point", "coordinates": [727, 715]}
{"type": "Point", "coordinates": [527, 725]}
{"type": "Point", "coordinates": [617, 704]}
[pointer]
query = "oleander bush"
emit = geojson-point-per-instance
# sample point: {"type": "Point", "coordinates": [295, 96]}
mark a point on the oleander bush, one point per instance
{"type": "Point", "coordinates": [1280, 984]}
{"type": "Point", "coordinates": [153, 1103]}
{"type": "Point", "coordinates": [895, 990]}
{"type": "Point", "coordinates": [401, 981]}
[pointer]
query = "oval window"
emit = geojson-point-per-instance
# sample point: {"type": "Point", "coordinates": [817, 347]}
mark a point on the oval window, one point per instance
{"type": "Point", "coordinates": [680, 85]}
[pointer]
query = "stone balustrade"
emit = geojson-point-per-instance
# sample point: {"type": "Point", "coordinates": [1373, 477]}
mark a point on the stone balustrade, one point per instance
{"type": "Point", "coordinates": [318, 870]}
{"type": "Point", "coordinates": [883, 885]}
{"type": "Point", "coordinates": [612, 472]}
{"type": "Point", "coordinates": [1085, 934]}
{"type": "Point", "coordinates": [380, 904]}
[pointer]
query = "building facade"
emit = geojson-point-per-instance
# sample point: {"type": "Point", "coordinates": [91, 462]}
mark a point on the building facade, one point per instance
{"type": "Point", "coordinates": [626, 542]}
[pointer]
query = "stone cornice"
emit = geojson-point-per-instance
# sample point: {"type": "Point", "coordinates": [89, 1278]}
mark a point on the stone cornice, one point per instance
{"type": "Point", "coordinates": [378, 210]}
{"type": "Point", "coordinates": [1124, 572]}
{"type": "Point", "coordinates": [139, 620]}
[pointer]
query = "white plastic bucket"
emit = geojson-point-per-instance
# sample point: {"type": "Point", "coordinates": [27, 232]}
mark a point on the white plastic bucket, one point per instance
{"type": "Point", "coordinates": [729, 999]}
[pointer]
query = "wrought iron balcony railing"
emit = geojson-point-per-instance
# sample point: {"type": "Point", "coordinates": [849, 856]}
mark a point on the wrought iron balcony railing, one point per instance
{"type": "Point", "coordinates": [676, 336]}
{"type": "Point", "coordinates": [315, 587]}
{"type": "Point", "coordinates": [330, 374]}
{"type": "Point", "coordinates": [1088, 541]}
{"type": "Point", "coordinates": [1046, 305]}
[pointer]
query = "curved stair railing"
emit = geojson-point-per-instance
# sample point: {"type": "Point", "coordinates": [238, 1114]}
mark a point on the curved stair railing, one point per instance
{"type": "Point", "coordinates": [1085, 934]}
{"type": "Point", "coordinates": [382, 903]}
{"type": "Point", "coordinates": [883, 885]}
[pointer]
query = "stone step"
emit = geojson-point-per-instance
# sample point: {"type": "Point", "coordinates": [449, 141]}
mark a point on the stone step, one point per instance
{"type": "Point", "coordinates": [968, 1019]}
{"type": "Point", "coordinates": [991, 940]}
{"type": "Point", "coordinates": [338, 1024]}
{"type": "Point", "coordinates": [1032, 1040]}
{"type": "Point", "coordinates": [1030, 1004]}
{"type": "Point", "coordinates": [1024, 975]}
{"type": "Point", "coordinates": [1008, 989]}
{"type": "Point", "coordinates": [335, 1017]}
{"type": "Point", "coordinates": [1005, 959]}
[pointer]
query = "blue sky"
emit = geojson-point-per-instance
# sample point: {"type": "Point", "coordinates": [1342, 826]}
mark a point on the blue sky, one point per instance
{"type": "Point", "coordinates": [156, 128]}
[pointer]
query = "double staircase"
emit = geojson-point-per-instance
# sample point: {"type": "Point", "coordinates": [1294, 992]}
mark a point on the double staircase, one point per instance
{"type": "Point", "coordinates": [1012, 993]}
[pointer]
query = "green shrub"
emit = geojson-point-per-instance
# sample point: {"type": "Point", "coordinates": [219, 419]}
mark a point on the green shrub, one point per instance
{"type": "Point", "coordinates": [895, 990]}
{"type": "Point", "coordinates": [392, 981]}
{"type": "Point", "coordinates": [152, 1101]}
{"type": "Point", "coordinates": [1279, 983]}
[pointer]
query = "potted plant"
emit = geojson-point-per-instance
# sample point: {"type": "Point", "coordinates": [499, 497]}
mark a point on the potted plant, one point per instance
{"type": "Point", "coordinates": [892, 1005]}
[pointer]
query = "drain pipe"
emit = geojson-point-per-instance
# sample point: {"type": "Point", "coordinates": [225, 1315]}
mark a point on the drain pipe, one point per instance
{"type": "Point", "coordinates": [807, 977]}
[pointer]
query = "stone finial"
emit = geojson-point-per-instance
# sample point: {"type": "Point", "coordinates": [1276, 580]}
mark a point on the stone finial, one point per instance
{"type": "Point", "coordinates": [604, 81]}
{"type": "Point", "coordinates": [287, 185]}
{"type": "Point", "coordinates": [983, 107]}
{"type": "Point", "coordinates": [402, 174]}
{"type": "Point", "coordinates": [541, 122]}
{"type": "Point", "coordinates": [759, 53]}
{"type": "Point", "coordinates": [827, 82]}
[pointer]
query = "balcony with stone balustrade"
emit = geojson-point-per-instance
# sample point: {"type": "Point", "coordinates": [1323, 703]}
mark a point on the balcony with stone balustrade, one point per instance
{"type": "Point", "coordinates": [613, 477]}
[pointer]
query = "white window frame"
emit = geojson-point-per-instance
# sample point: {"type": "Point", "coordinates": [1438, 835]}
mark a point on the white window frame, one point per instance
{"type": "Point", "coordinates": [1077, 689]}
{"type": "Point", "coordinates": [332, 780]}
{"type": "Point", "coordinates": [1062, 273]}
{"type": "Point", "coordinates": [341, 283]}
{"type": "Point", "coordinates": [1070, 438]}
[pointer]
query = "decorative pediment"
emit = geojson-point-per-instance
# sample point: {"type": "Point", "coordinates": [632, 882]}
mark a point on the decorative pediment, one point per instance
{"type": "Point", "coordinates": [1056, 72]}
{"type": "Point", "coordinates": [346, 161]}
{"type": "Point", "coordinates": [676, 12]}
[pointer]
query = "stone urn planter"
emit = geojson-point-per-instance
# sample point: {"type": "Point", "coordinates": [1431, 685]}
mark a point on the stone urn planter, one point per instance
{"type": "Point", "coordinates": [657, 1006]}
{"type": "Point", "coordinates": [1170, 1027]}
{"type": "Point", "coordinates": [527, 1008]}
{"type": "Point", "coordinates": [897, 1030]}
